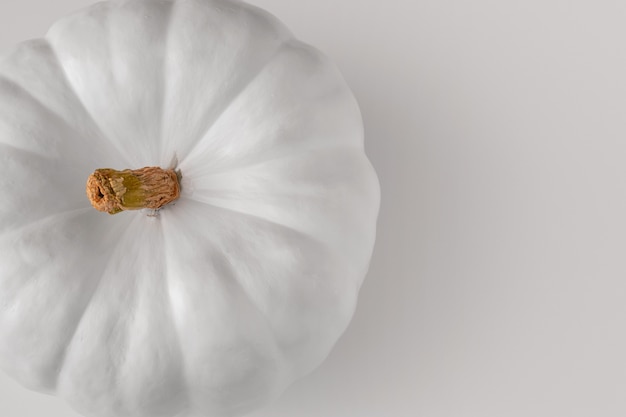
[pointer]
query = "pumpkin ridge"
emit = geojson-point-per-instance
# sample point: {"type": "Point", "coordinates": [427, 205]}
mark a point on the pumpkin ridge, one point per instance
{"type": "Point", "coordinates": [106, 24]}
{"type": "Point", "coordinates": [131, 345]}
{"type": "Point", "coordinates": [72, 338]}
{"type": "Point", "coordinates": [88, 116]}
{"type": "Point", "coordinates": [322, 281]}
{"type": "Point", "coordinates": [43, 220]}
{"type": "Point", "coordinates": [172, 323]}
{"type": "Point", "coordinates": [50, 321]}
{"type": "Point", "coordinates": [28, 96]}
{"type": "Point", "coordinates": [164, 15]}
{"type": "Point", "coordinates": [165, 85]}
{"type": "Point", "coordinates": [257, 218]}
{"type": "Point", "coordinates": [284, 227]}
{"type": "Point", "coordinates": [254, 194]}
{"type": "Point", "coordinates": [303, 108]}
{"type": "Point", "coordinates": [69, 214]}
{"type": "Point", "coordinates": [223, 276]}
{"type": "Point", "coordinates": [246, 295]}
{"type": "Point", "coordinates": [44, 69]}
{"type": "Point", "coordinates": [259, 159]}
{"type": "Point", "coordinates": [28, 152]}
{"type": "Point", "coordinates": [232, 97]}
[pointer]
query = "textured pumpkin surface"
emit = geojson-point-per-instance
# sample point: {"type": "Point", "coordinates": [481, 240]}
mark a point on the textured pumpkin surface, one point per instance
{"type": "Point", "coordinates": [218, 302]}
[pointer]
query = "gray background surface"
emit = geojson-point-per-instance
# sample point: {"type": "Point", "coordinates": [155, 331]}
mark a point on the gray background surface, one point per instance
{"type": "Point", "coordinates": [498, 283]}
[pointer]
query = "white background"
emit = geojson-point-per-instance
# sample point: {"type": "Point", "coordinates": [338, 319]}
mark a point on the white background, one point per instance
{"type": "Point", "coordinates": [498, 282]}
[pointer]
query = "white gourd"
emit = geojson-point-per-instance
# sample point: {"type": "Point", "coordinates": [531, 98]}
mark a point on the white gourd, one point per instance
{"type": "Point", "coordinates": [215, 303]}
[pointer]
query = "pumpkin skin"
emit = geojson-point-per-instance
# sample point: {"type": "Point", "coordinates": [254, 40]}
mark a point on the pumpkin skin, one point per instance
{"type": "Point", "coordinates": [215, 304]}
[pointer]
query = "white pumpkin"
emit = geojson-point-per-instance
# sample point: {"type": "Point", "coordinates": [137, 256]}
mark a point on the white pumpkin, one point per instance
{"type": "Point", "coordinates": [215, 303]}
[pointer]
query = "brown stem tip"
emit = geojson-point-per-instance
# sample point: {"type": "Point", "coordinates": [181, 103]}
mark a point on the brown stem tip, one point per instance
{"type": "Point", "coordinates": [150, 187]}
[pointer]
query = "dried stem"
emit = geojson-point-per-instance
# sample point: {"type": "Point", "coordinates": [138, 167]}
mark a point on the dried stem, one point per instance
{"type": "Point", "coordinates": [150, 187]}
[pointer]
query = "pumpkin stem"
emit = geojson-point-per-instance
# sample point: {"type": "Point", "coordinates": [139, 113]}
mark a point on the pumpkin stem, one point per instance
{"type": "Point", "coordinates": [150, 187]}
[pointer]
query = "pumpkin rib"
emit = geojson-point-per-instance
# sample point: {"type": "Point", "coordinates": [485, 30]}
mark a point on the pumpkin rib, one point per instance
{"type": "Point", "coordinates": [6, 81]}
{"type": "Point", "coordinates": [177, 331]}
{"type": "Point", "coordinates": [236, 92]}
{"type": "Point", "coordinates": [296, 104]}
{"type": "Point", "coordinates": [284, 227]}
{"type": "Point", "coordinates": [76, 326]}
{"type": "Point", "coordinates": [245, 38]}
{"type": "Point", "coordinates": [270, 329]}
{"type": "Point", "coordinates": [27, 152]}
{"type": "Point", "coordinates": [45, 188]}
{"type": "Point", "coordinates": [48, 319]}
{"type": "Point", "coordinates": [175, 5]}
{"type": "Point", "coordinates": [40, 223]}
{"type": "Point", "coordinates": [102, 8]}
{"type": "Point", "coordinates": [156, 57]}
{"type": "Point", "coordinates": [199, 248]}
{"type": "Point", "coordinates": [124, 334]}
{"type": "Point", "coordinates": [164, 73]}
{"type": "Point", "coordinates": [88, 115]}
{"type": "Point", "coordinates": [45, 195]}
{"type": "Point", "coordinates": [300, 201]}
{"type": "Point", "coordinates": [148, 320]}
{"type": "Point", "coordinates": [250, 301]}
{"type": "Point", "coordinates": [252, 162]}
{"type": "Point", "coordinates": [254, 216]}
{"type": "Point", "coordinates": [34, 67]}
{"type": "Point", "coordinates": [320, 281]}
{"type": "Point", "coordinates": [47, 219]}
